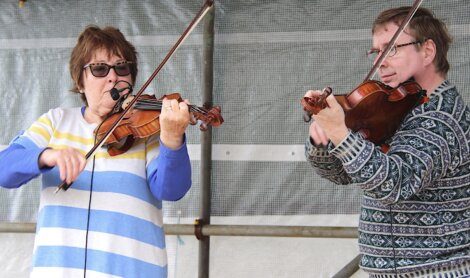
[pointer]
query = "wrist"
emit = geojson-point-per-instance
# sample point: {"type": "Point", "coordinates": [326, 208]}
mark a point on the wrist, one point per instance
{"type": "Point", "coordinates": [171, 141]}
{"type": "Point", "coordinates": [42, 159]}
{"type": "Point", "coordinates": [338, 135]}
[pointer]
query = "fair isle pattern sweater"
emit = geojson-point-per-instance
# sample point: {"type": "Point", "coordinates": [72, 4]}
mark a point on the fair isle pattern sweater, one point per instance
{"type": "Point", "coordinates": [415, 213]}
{"type": "Point", "coordinates": [119, 232]}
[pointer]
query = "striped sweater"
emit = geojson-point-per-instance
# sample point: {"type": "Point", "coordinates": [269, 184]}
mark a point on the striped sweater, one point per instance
{"type": "Point", "coordinates": [415, 214]}
{"type": "Point", "coordinates": [110, 221]}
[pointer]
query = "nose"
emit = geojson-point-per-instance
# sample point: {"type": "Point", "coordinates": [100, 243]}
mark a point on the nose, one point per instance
{"type": "Point", "coordinates": [112, 76]}
{"type": "Point", "coordinates": [384, 62]}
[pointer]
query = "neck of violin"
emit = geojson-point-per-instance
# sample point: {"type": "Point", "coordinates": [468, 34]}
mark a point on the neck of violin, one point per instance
{"type": "Point", "coordinates": [154, 104]}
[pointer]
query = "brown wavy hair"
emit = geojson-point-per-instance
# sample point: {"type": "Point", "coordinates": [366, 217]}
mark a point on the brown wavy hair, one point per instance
{"type": "Point", "coordinates": [92, 39]}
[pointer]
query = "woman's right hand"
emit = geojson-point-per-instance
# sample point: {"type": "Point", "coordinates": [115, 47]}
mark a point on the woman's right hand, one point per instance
{"type": "Point", "coordinates": [70, 162]}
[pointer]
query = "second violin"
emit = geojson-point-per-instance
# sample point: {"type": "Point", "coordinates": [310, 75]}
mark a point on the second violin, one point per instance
{"type": "Point", "coordinates": [373, 108]}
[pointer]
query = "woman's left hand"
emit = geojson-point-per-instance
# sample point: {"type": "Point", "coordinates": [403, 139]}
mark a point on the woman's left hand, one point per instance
{"type": "Point", "coordinates": [174, 119]}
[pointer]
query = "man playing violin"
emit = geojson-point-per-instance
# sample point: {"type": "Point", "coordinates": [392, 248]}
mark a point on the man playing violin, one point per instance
{"type": "Point", "coordinates": [109, 222]}
{"type": "Point", "coordinates": [415, 219]}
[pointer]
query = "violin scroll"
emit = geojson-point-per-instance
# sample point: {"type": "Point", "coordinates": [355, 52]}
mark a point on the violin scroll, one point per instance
{"type": "Point", "coordinates": [314, 104]}
{"type": "Point", "coordinates": [208, 117]}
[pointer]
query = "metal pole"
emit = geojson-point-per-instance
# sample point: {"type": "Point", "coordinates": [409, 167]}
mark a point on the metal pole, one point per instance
{"type": "Point", "coordinates": [226, 230]}
{"type": "Point", "coordinates": [11, 227]}
{"type": "Point", "coordinates": [349, 269]}
{"type": "Point", "coordinates": [206, 143]}
{"type": "Point", "coordinates": [263, 231]}
{"type": "Point", "coordinates": [237, 230]}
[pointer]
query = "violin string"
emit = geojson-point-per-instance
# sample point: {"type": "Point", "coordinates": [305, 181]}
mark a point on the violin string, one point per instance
{"type": "Point", "coordinates": [154, 104]}
{"type": "Point", "coordinates": [157, 104]}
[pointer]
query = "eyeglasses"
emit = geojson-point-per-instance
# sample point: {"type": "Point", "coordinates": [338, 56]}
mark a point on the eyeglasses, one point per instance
{"type": "Point", "coordinates": [102, 69]}
{"type": "Point", "coordinates": [374, 53]}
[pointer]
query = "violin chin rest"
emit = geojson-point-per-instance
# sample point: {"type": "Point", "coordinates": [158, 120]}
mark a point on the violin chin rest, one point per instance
{"type": "Point", "coordinates": [364, 133]}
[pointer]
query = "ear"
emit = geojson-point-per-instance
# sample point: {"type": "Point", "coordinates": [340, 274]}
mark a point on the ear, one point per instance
{"type": "Point", "coordinates": [429, 51]}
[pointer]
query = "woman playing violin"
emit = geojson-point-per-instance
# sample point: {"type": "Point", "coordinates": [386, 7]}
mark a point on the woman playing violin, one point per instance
{"type": "Point", "coordinates": [110, 221]}
{"type": "Point", "coordinates": [414, 218]}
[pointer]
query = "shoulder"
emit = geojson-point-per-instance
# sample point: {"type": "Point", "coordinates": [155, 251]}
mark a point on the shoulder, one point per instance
{"type": "Point", "coordinates": [445, 99]}
{"type": "Point", "coordinates": [444, 104]}
{"type": "Point", "coordinates": [59, 113]}
{"type": "Point", "coordinates": [444, 113]}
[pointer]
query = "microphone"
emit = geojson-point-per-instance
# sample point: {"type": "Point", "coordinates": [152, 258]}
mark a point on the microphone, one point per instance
{"type": "Point", "coordinates": [115, 92]}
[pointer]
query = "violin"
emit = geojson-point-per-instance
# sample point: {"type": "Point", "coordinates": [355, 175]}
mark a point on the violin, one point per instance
{"type": "Point", "coordinates": [373, 108]}
{"type": "Point", "coordinates": [142, 121]}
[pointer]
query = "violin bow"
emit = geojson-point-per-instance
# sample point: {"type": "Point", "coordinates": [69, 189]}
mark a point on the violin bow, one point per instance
{"type": "Point", "coordinates": [400, 30]}
{"type": "Point", "coordinates": [202, 12]}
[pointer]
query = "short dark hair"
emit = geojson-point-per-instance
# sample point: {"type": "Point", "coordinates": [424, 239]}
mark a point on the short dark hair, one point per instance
{"type": "Point", "coordinates": [423, 26]}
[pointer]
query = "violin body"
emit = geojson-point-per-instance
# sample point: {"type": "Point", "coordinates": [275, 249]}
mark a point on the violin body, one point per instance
{"type": "Point", "coordinates": [136, 124]}
{"type": "Point", "coordinates": [373, 108]}
{"type": "Point", "coordinates": [142, 121]}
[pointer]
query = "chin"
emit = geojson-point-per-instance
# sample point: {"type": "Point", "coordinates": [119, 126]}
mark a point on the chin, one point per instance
{"type": "Point", "coordinates": [106, 113]}
{"type": "Point", "coordinates": [103, 112]}
{"type": "Point", "coordinates": [108, 106]}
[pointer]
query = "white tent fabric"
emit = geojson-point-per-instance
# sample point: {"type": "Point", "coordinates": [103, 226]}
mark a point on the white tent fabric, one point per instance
{"type": "Point", "coordinates": [266, 55]}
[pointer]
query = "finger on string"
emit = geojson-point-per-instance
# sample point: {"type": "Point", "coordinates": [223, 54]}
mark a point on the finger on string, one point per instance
{"type": "Point", "coordinates": [183, 106]}
{"type": "Point", "coordinates": [174, 104]}
{"type": "Point", "coordinates": [166, 104]}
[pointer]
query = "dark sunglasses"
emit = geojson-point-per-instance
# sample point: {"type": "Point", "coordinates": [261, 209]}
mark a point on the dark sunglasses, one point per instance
{"type": "Point", "coordinates": [102, 69]}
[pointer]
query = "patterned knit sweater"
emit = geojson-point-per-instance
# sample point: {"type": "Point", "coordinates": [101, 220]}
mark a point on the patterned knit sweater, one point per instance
{"type": "Point", "coordinates": [415, 214]}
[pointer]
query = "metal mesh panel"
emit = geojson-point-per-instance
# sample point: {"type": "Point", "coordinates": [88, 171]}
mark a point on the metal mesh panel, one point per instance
{"type": "Point", "coordinates": [267, 54]}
